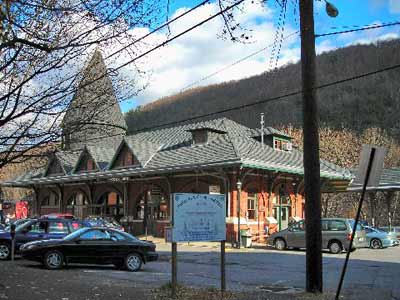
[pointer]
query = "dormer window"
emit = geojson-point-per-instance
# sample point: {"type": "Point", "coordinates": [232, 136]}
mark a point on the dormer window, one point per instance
{"type": "Point", "coordinates": [199, 136]}
{"type": "Point", "coordinates": [282, 144]}
{"type": "Point", "coordinates": [90, 164]}
{"type": "Point", "coordinates": [125, 158]}
{"type": "Point", "coordinates": [86, 163]}
{"type": "Point", "coordinates": [204, 135]}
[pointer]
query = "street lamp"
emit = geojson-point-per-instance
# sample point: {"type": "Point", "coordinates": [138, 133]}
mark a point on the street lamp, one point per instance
{"type": "Point", "coordinates": [239, 192]}
{"type": "Point", "coordinates": [331, 10]}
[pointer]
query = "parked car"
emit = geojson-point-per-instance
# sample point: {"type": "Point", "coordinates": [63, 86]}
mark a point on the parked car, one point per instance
{"type": "Point", "coordinates": [36, 229]}
{"type": "Point", "coordinates": [395, 229]}
{"type": "Point", "coordinates": [336, 235]}
{"type": "Point", "coordinates": [58, 216]}
{"type": "Point", "coordinates": [98, 245]}
{"type": "Point", "coordinates": [377, 238]}
{"type": "Point", "coordinates": [95, 221]}
{"type": "Point", "coordinates": [16, 222]}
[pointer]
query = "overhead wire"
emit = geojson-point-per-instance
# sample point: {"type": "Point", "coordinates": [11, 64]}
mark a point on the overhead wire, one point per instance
{"type": "Point", "coordinates": [366, 27]}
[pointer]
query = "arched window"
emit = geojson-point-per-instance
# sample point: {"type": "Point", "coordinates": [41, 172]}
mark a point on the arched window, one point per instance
{"type": "Point", "coordinates": [110, 204]}
{"type": "Point", "coordinates": [50, 200]}
{"type": "Point", "coordinates": [77, 205]}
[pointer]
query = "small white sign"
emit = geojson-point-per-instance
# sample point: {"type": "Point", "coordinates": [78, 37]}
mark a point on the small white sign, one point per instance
{"type": "Point", "coordinates": [214, 189]}
{"type": "Point", "coordinates": [199, 217]}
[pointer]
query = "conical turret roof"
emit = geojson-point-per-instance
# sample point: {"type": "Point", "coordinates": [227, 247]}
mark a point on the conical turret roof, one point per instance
{"type": "Point", "coordinates": [94, 111]}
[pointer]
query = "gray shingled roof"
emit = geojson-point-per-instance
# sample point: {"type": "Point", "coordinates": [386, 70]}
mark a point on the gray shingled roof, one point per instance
{"type": "Point", "coordinates": [68, 159]}
{"type": "Point", "coordinates": [102, 155]}
{"type": "Point", "coordinates": [172, 148]}
{"type": "Point", "coordinates": [390, 180]}
{"type": "Point", "coordinates": [142, 149]}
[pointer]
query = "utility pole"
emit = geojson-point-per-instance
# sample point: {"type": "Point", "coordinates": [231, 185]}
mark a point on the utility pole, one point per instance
{"type": "Point", "coordinates": [311, 150]}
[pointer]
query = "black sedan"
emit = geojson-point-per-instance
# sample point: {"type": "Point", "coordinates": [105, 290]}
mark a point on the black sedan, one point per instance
{"type": "Point", "coordinates": [96, 245]}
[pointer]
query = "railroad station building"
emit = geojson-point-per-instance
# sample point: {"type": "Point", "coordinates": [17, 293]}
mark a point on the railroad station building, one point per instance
{"type": "Point", "coordinates": [100, 170]}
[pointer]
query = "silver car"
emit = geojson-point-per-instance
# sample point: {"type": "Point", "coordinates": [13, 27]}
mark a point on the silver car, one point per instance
{"type": "Point", "coordinates": [336, 235]}
{"type": "Point", "coordinates": [377, 238]}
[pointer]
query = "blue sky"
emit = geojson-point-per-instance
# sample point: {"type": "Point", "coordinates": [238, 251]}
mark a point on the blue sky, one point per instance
{"type": "Point", "coordinates": [201, 53]}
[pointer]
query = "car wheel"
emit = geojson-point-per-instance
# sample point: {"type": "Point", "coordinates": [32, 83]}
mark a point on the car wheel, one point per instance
{"type": "Point", "coordinates": [335, 247]}
{"type": "Point", "coordinates": [5, 251]}
{"type": "Point", "coordinates": [53, 260]}
{"type": "Point", "coordinates": [133, 262]}
{"type": "Point", "coordinates": [376, 244]}
{"type": "Point", "coordinates": [280, 244]}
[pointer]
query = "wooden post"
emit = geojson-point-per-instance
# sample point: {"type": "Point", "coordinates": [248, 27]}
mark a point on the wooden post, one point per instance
{"type": "Point", "coordinates": [239, 192]}
{"type": "Point", "coordinates": [223, 279]}
{"type": "Point", "coordinates": [311, 150]}
{"type": "Point", "coordinates": [174, 269]}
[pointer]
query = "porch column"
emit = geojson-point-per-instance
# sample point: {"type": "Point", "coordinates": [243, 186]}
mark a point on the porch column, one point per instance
{"type": "Point", "coordinates": [61, 206]}
{"type": "Point", "coordinates": [35, 202]}
{"type": "Point", "coordinates": [125, 186]}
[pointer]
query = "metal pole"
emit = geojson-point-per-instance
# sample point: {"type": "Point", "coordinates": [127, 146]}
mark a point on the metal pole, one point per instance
{"type": "Point", "coordinates": [371, 159]}
{"type": "Point", "coordinates": [12, 233]}
{"type": "Point", "coordinates": [223, 279]}
{"type": "Point", "coordinates": [311, 150]}
{"type": "Point", "coordinates": [174, 250]}
{"type": "Point", "coordinates": [239, 192]}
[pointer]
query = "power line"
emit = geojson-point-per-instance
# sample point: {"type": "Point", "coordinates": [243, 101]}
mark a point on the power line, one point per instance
{"type": "Point", "coordinates": [134, 42]}
{"type": "Point", "coordinates": [160, 45]}
{"type": "Point", "coordinates": [298, 92]}
{"type": "Point", "coordinates": [236, 62]}
{"type": "Point", "coordinates": [367, 27]}
{"type": "Point", "coordinates": [271, 99]}
{"type": "Point", "coordinates": [159, 28]}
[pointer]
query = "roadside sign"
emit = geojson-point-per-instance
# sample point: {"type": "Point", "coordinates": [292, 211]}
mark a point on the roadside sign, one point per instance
{"type": "Point", "coordinates": [199, 217]}
{"type": "Point", "coordinates": [377, 165]}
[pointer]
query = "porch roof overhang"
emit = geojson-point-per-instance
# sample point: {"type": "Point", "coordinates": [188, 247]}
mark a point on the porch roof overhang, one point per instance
{"type": "Point", "coordinates": [118, 173]}
{"type": "Point", "coordinates": [389, 181]}
{"type": "Point", "coordinates": [336, 182]}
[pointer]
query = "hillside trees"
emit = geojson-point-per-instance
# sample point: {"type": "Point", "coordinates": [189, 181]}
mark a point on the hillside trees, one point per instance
{"type": "Point", "coordinates": [343, 147]}
{"type": "Point", "coordinates": [358, 104]}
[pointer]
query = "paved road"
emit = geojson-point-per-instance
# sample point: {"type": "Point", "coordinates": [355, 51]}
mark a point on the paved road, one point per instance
{"type": "Point", "coordinates": [370, 272]}
{"type": "Point", "coordinates": [373, 274]}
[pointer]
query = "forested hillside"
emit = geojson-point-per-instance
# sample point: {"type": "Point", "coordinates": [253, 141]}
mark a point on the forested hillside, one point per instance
{"type": "Point", "coordinates": [358, 104]}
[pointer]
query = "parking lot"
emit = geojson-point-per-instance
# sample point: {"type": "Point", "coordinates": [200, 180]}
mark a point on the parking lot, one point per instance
{"type": "Point", "coordinates": [372, 274]}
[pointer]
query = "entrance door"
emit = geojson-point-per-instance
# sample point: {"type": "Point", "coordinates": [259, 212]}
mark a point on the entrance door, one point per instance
{"type": "Point", "coordinates": [282, 217]}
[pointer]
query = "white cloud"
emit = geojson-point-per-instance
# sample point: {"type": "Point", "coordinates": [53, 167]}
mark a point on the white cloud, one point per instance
{"type": "Point", "coordinates": [200, 52]}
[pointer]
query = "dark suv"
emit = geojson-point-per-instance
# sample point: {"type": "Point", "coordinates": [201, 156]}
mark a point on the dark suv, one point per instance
{"type": "Point", "coordinates": [35, 230]}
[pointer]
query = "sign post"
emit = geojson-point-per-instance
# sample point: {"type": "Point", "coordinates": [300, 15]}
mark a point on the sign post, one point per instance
{"type": "Point", "coordinates": [195, 218]}
{"type": "Point", "coordinates": [369, 173]}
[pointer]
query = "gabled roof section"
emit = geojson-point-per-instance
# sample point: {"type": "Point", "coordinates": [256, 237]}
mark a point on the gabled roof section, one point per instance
{"type": "Point", "coordinates": [82, 162]}
{"type": "Point", "coordinates": [102, 155]}
{"type": "Point", "coordinates": [143, 150]}
{"type": "Point", "coordinates": [62, 163]}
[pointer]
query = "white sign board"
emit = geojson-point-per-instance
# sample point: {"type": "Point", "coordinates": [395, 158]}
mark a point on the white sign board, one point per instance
{"type": "Point", "coordinates": [199, 217]}
{"type": "Point", "coordinates": [376, 168]}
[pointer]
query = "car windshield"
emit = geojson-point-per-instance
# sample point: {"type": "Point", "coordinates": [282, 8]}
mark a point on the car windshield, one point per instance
{"type": "Point", "coordinates": [75, 234]}
{"type": "Point", "coordinates": [22, 225]}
